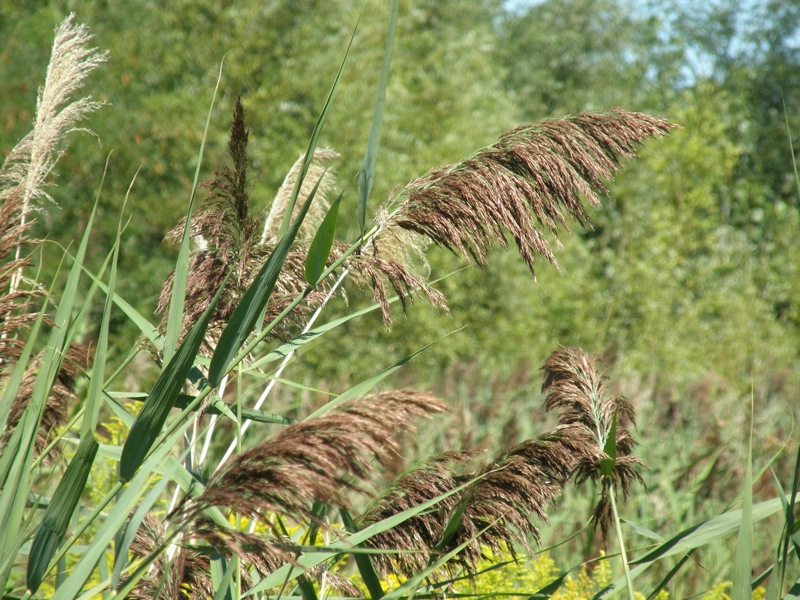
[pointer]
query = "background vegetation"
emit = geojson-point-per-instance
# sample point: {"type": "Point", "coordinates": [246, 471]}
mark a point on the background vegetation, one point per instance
{"type": "Point", "coordinates": [688, 286]}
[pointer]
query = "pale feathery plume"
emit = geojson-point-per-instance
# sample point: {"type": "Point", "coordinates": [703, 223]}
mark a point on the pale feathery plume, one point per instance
{"type": "Point", "coordinates": [27, 167]}
{"type": "Point", "coordinates": [318, 172]}
{"type": "Point", "coordinates": [24, 174]}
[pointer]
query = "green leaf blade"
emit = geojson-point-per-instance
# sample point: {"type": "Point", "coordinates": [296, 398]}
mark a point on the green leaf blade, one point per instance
{"type": "Point", "coordinates": [51, 532]}
{"type": "Point", "coordinates": [365, 567]}
{"type": "Point", "coordinates": [367, 175]}
{"type": "Point", "coordinates": [321, 245]}
{"type": "Point", "coordinates": [162, 398]}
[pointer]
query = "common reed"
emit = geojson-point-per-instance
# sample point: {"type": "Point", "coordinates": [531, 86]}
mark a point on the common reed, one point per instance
{"type": "Point", "coordinates": [239, 512]}
{"type": "Point", "coordinates": [525, 185]}
{"type": "Point", "coordinates": [25, 173]}
{"type": "Point", "coordinates": [24, 178]}
{"type": "Point", "coordinates": [521, 483]}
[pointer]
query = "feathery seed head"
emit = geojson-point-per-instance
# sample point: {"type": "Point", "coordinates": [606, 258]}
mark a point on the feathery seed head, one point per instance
{"type": "Point", "coordinates": [318, 172]}
{"type": "Point", "coordinates": [525, 185]}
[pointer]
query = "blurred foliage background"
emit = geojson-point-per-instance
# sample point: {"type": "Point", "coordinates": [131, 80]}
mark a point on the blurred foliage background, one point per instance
{"type": "Point", "coordinates": [688, 286]}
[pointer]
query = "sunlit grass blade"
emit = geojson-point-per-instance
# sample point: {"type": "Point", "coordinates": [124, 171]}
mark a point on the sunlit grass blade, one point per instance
{"type": "Point", "coordinates": [251, 307]}
{"type": "Point", "coordinates": [709, 531]}
{"type": "Point", "coordinates": [367, 175]}
{"type": "Point", "coordinates": [160, 401]}
{"type": "Point", "coordinates": [454, 522]}
{"type": "Point", "coordinates": [321, 245]}
{"type": "Point", "coordinates": [176, 304]}
{"type": "Point", "coordinates": [56, 519]}
{"type": "Point", "coordinates": [312, 142]}
{"type": "Point", "coordinates": [16, 476]}
{"type": "Point", "coordinates": [301, 340]}
{"type": "Point", "coordinates": [124, 541]}
{"type": "Point", "coordinates": [312, 559]}
{"type": "Point", "coordinates": [148, 330]}
{"type": "Point", "coordinates": [412, 584]}
{"type": "Point", "coordinates": [610, 449]}
{"type": "Point", "coordinates": [94, 396]}
{"type": "Point", "coordinates": [365, 567]}
{"type": "Point", "coordinates": [14, 380]}
{"type": "Point", "coordinates": [551, 588]}
{"type": "Point", "coordinates": [161, 465]}
{"type": "Point", "coordinates": [697, 536]}
{"type": "Point", "coordinates": [669, 576]}
{"type": "Point", "coordinates": [222, 575]}
{"type": "Point", "coordinates": [184, 400]}
{"type": "Point", "coordinates": [363, 388]}
{"type": "Point", "coordinates": [306, 588]}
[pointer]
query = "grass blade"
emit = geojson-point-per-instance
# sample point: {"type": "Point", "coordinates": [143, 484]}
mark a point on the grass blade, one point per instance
{"type": "Point", "coordinates": [363, 562]}
{"type": "Point", "coordinates": [252, 305]}
{"type": "Point", "coordinates": [321, 245]}
{"type": "Point", "coordinates": [113, 523]}
{"type": "Point", "coordinates": [301, 340]}
{"type": "Point", "coordinates": [364, 387]}
{"type": "Point", "coordinates": [711, 530]}
{"type": "Point", "coordinates": [51, 532]}
{"type": "Point", "coordinates": [14, 380]}
{"type": "Point", "coordinates": [125, 541]}
{"type": "Point", "coordinates": [175, 317]}
{"type": "Point", "coordinates": [367, 175]}
{"type": "Point", "coordinates": [245, 317]}
{"type": "Point", "coordinates": [160, 401]}
{"type": "Point", "coordinates": [312, 559]}
{"type": "Point", "coordinates": [312, 142]}
{"type": "Point", "coordinates": [15, 483]}
{"type": "Point", "coordinates": [93, 396]}
{"type": "Point", "coordinates": [148, 330]}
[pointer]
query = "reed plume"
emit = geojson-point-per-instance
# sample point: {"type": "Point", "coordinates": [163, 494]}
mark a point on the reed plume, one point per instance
{"type": "Point", "coordinates": [25, 171]}
{"type": "Point", "coordinates": [501, 500]}
{"type": "Point", "coordinates": [525, 185]}
{"type": "Point", "coordinates": [228, 239]}
{"type": "Point", "coordinates": [588, 417]}
{"type": "Point", "coordinates": [319, 459]}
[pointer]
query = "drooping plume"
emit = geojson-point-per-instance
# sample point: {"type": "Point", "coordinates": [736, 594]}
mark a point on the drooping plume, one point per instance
{"type": "Point", "coordinates": [588, 417]}
{"type": "Point", "coordinates": [501, 500]}
{"type": "Point", "coordinates": [525, 185]}
{"type": "Point", "coordinates": [318, 459]}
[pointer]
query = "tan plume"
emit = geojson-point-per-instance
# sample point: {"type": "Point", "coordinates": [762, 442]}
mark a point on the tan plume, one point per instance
{"type": "Point", "coordinates": [525, 185]}
{"type": "Point", "coordinates": [318, 172]}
